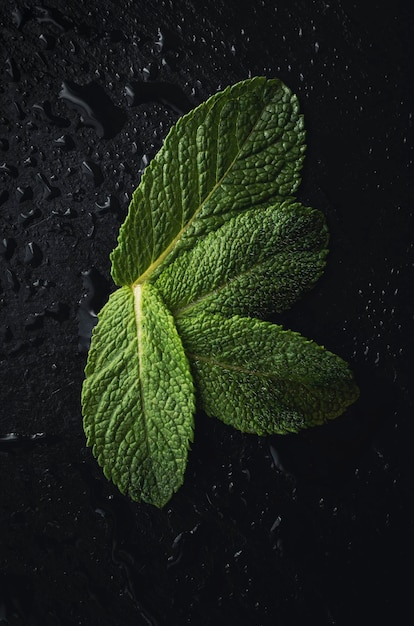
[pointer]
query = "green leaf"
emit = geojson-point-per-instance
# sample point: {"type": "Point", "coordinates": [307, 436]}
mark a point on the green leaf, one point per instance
{"type": "Point", "coordinates": [243, 148]}
{"type": "Point", "coordinates": [213, 233]}
{"type": "Point", "coordinates": [262, 379]}
{"type": "Point", "coordinates": [138, 397]}
{"type": "Point", "coordinates": [258, 262]}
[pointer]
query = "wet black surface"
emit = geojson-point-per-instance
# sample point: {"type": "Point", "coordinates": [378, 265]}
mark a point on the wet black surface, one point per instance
{"type": "Point", "coordinates": [314, 528]}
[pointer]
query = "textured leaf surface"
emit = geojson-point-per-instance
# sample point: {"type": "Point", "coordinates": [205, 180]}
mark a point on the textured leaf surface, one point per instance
{"type": "Point", "coordinates": [243, 148]}
{"type": "Point", "coordinates": [257, 262]}
{"type": "Point", "coordinates": [213, 234]}
{"type": "Point", "coordinates": [138, 397]}
{"type": "Point", "coordinates": [262, 379]}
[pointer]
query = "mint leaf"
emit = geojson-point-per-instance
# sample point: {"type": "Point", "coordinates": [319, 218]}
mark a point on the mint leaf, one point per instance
{"type": "Point", "coordinates": [138, 397]}
{"type": "Point", "coordinates": [243, 148]}
{"type": "Point", "coordinates": [262, 379]}
{"type": "Point", "coordinates": [213, 234]}
{"type": "Point", "coordinates": [257, 262]}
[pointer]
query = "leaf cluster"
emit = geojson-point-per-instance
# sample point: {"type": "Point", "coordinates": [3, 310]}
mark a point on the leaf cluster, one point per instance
{"type": "Point", "coordinates": [214, 240]}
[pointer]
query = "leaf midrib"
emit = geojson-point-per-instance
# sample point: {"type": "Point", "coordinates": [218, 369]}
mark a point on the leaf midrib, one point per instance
{"type": "Point", "coordinates": [138, 320]}
{"type": "Point", "coordinates": [223, 365]}
{"type": "Point", "coordinates": [138, 295]}
{"type": "Point", "coordinates": [227, 366]}
{"type": "Point", "coordinates": [179, 311]}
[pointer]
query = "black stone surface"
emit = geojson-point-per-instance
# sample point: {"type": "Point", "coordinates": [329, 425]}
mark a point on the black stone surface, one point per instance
{"type": "Point", "coordinates": [310, 529]}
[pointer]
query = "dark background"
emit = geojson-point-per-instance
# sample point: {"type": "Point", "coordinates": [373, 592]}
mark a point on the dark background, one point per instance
{"type": "Point", "coordinates": [314, 528]}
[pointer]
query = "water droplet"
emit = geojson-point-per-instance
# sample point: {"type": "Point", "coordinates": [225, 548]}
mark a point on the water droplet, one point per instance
{"type": "Point", "coordinates": [49, 192]}
{"type": "Point", "coordinates": [52, 16]}
{"type": "Point", "coordinates": [32, 254]}
{"type": "Point", "coordinates": [24, 194]}
{"type": "Point", "coordinates": [12, 70]}
{"type": "Point", "coordinates": [276, 523]}
{"type": "Point", "coordinates": [19, 111]}
{"type": "Point", "coordinates": [30, 162]}
{"type": "Point", "coordinates": [34, 321]}
{"type": "Point", "coordinates": [46, 110]}
{"type": "Point", "coordinates": [64, 212]}
{"type": "Point", "coordinates": [11, 441]}
{"type": "Point", "coordinates": [7, 247]}
{"type": "Point", "coordinates": [96, 108]}
{"type": "Point", "coordinates": [93, 171]}
{"type": "Point", "coordinates": [276, 460]}
{"type": "Point", "coordinates": [29, 216]}
{"type": "Point", "coordinates": [136, 147]}
{"type": "Point", "coordinates": [145, 159]}
{"type": "Point", "coordinates": [98, 291]}
{"type": "Point", "coordinates": [47, 41]}
{"type": "Point", "coordinates": [168, 94]}
{"type": "Point", "coordinates": [59, 311]}
{"type": "Point", "coordinates": [110, 205]}
{"type": "Point", "coordinates": [65, 142]}
{"type": "Point", "coordinates": [12, 280]}
{"type": "Point", "coordinates": [20, 17]}
{"type": "Point", "coordinates": [9, 169]}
